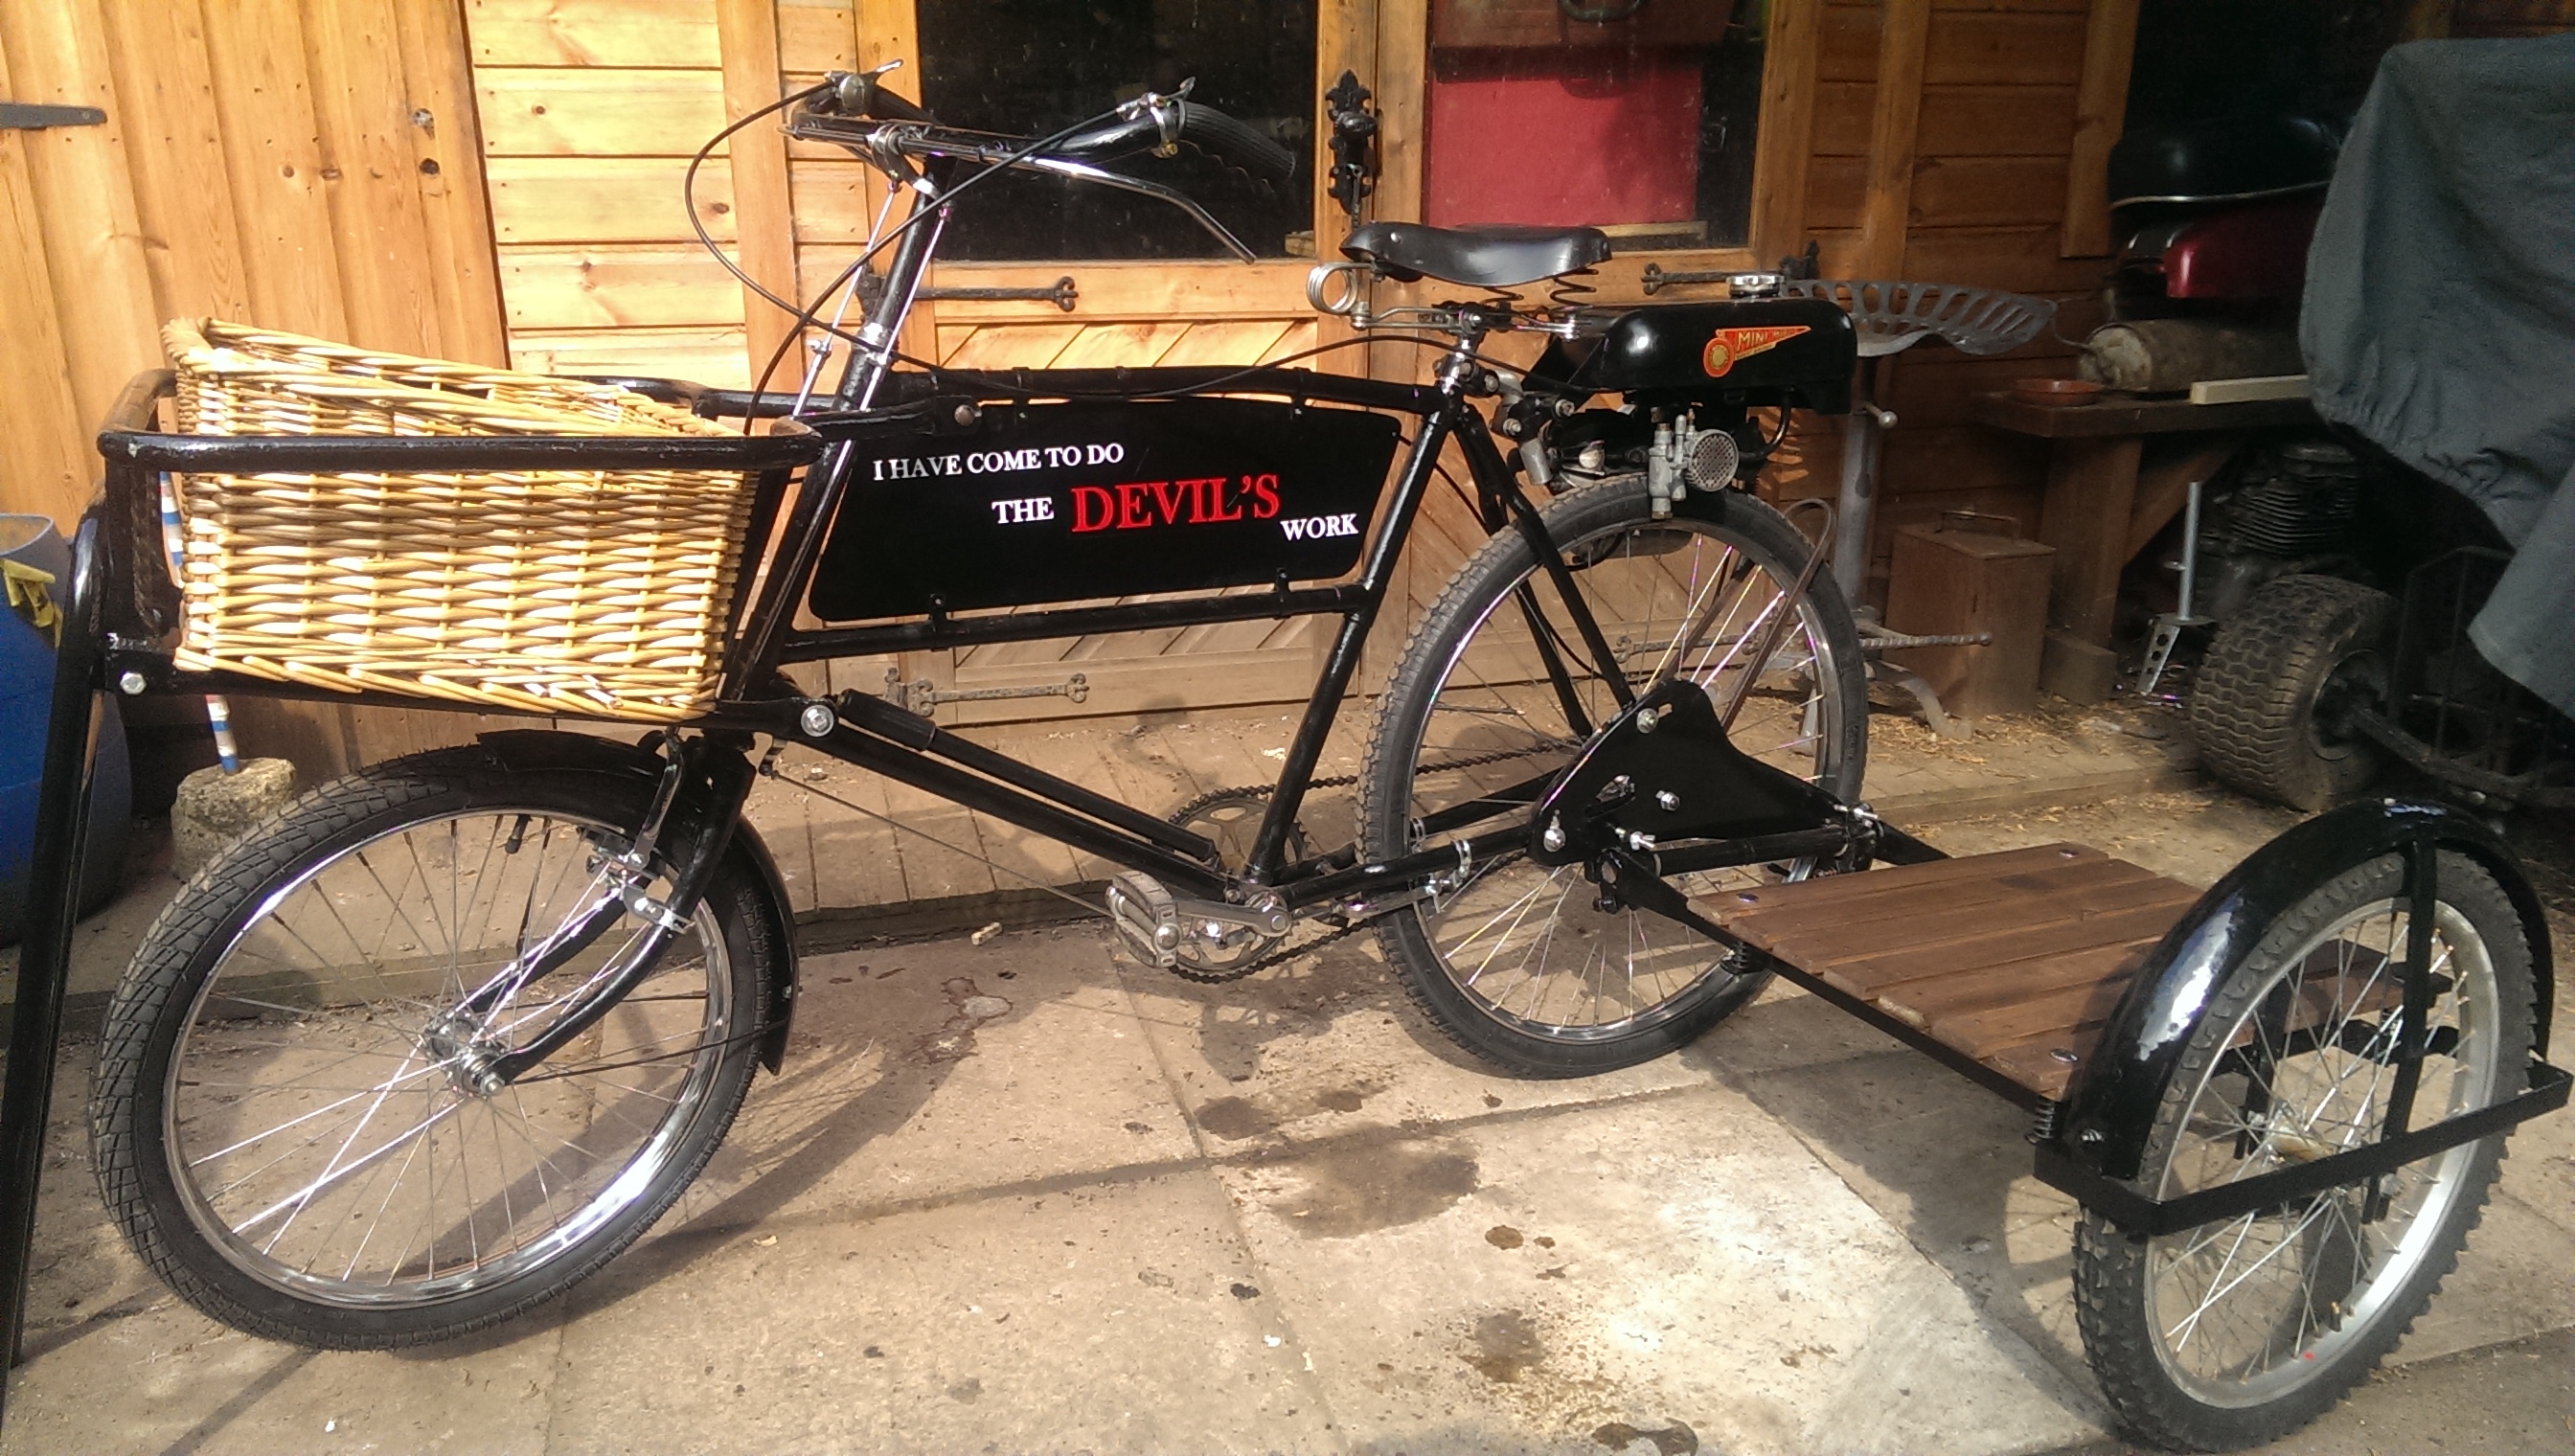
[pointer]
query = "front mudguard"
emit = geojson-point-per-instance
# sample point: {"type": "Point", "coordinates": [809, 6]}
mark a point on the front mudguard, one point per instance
{"type": "Point", "coordinates": [540, 749]}
{"type": "Point", "coordinates": [2106, 1121]}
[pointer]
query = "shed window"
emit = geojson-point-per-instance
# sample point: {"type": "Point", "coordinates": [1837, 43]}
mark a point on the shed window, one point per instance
{"type": "Point", "coordinates": [1035, 66]}
{"type": "Point", "coordinates": [1635, 116]}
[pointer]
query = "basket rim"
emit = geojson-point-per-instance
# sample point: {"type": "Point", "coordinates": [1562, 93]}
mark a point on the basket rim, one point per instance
{"type": "Point", "coordinates": [199, 359]}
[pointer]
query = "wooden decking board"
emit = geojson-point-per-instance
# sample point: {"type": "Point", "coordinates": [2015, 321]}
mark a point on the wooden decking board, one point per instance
{"type": "Point", "coordinates": [1849, 889]}
{"type": "Point", "coordinates": [2016, 960]}
{"type": "Point", "coordinates": [2001, 986]}
{"type": "Point", "coordinates": [2040, 1069]}
{"type": "Point", "coordinates": [1894, 967]}
{"type": "Point", "coordinates": [1981, 1033]}
{"type": "Point", "coordinates": [2088, 890]}
{"type": "Point", "coordinates": [1863, 921]}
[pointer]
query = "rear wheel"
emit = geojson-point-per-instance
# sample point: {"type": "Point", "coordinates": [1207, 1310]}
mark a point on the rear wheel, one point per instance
{"type": "Point", "coordinates": [1519, 965]}
{"type": "Point", "coordinates": [2238, 1332]}
{"type": "Point", "coordinates": [2264, 706]}
{"type": "Point", "coordinates": [287, 1122]}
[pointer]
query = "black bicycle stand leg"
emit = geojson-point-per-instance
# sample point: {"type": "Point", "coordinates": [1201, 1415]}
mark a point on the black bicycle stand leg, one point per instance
{"type": "Point", "coordinates": [44, 957]}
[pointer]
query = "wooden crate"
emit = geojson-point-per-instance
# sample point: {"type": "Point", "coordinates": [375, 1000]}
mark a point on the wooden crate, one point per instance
{"type": "Point", "coordinates": [1946, 583]}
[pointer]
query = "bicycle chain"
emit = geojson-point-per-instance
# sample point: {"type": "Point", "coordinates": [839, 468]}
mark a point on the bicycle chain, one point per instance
{"type": "Point", "coordinates": [1184, 813]}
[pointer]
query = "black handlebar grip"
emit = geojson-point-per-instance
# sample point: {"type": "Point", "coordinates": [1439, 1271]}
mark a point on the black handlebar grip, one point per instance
{"type": "Point", "coordinates": [1213, 131]}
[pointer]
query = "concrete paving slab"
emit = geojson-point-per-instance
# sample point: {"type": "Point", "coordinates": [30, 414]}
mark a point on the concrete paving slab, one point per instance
{"type": "Point", "coordinates": [1581, 1278]}
{"type": "Point", "coordinates": [1329, 1042]}
{"type": "Point", "coordinates": [1121, 1315]}
{"type": "Point", "coordinates": [921, 1072]}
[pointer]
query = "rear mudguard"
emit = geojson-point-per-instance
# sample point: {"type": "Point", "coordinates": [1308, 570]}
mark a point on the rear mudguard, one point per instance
{"type": "Point", "coordinates": [2113, 1108]}
{"type": "Point", "coordinates": [521, 749]}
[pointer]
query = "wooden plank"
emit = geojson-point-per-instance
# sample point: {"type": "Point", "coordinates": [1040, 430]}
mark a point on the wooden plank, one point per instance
{"type": "Point", "coordinates": [612, 286]}
{"type": "Point", "coordinates": [1837, 189]}
{"type": "Point", "coordinates": [591, 32]}
{"type": "Point", "coordinates": [1998, 985]}
{"type": "Point", "coordinates": [2022, 259]}
{"type": "Point", "coordinates": [817, 35]}
{"type": "Point", "coordinates": [1113, 346]}
{"type": "Point", "coordinates": [84, 201]}
{"type": "Point", "coordinates": [2091, 493]}
{"type": "Point", "coordinates": [1873, 975]}
{"type": "Point", "coordinates": [2046, 1019]}
{"type": "Point", "coordinates": [1886, 198]}
{"type": "Point", "coordinates": [2164, 481]}
{"type": "Point", "coordinates": [1014, 345]}
{"type": "Point", "coordinates": [1786, 133]}
{"type": "Point", "coordinates": [273, 155]}
{"type": "Point", "coordinates": [1847, 43]}
{"type": "Point", "coordinates": [562, 111]}
{"type": "Point", "coordinates": [1841, 889]}
{"type": "Point", "coordinates": [2100, 111]}
{"type": "Point", "coordinates": [1922, 914]}
{"type": "Point", "coordinates": [1995, 121]}
{"type": "Point", "coordinates": [1241, 342]}
{"type": "Point", "coordinates": [1987, 191]}
{"type": "Point", "coordinates": [1940, 942]}
{"type": "Point", "coordinates": [1973, 48]}
{"type": "Point", "coordinates": [708, 356]}
{"type": "Point", "coordinates": [175, 149]}
{"type": "Point", "coordinates": [46, 468]}
{"type": "Point", "coordinates": [604, 200]}
{"type": "Point", "coordinates": [766, 225]}
{"type": "Point", "coordinates": [446, 155]}
{"type": "Point", "coordinates": [368, 171]}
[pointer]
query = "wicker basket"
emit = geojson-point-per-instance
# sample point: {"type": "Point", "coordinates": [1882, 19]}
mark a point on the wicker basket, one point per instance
{"type": "Point", "coordinates": [599, 593]}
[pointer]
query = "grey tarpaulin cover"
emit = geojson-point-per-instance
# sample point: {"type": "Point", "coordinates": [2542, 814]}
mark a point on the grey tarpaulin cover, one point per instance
{"type": "Point", "coordinates": [2440, 311]}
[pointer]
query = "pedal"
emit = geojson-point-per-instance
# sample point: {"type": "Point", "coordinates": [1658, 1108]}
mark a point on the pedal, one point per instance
{"type": "Point", "coordinates": [1146, 917]}
{"type": "Point", "coordinates": [1208, 936]}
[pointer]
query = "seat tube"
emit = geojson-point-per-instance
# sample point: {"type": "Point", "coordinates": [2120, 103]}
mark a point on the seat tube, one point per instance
{"type": "Point", "coordinates": [1269, 852]}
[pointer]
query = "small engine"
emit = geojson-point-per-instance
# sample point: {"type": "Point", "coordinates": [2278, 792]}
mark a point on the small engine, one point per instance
{"type": "Point", "coordinates": [2290, 510]}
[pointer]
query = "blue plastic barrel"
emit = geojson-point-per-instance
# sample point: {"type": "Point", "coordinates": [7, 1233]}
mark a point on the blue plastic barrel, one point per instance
{"type": "Point", "coordinates": [26, 700]}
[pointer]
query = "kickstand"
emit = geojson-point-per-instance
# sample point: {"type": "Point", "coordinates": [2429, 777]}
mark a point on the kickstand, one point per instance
{"type": "Point", "coordinates": [2169, 624]}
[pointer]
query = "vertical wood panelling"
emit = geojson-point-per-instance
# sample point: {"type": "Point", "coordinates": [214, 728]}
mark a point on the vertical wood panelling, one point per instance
{"type": "Point", "coordinates": [44, 465]}
{"type": "Point", "coordinates": [2100, 106]}
{"type": "Point", "coordinates": [1886, 205]}
{"type": "Point", "coordinates": [262, 161]}
{"type": "Point", "coordinates": [747, 37]}
{"type": "Point", "coordinates": [84, 197]}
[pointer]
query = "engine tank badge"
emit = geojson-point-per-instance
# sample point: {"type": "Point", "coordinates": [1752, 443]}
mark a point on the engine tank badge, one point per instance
{"type": "Point", "coordinates": [1732, 345]}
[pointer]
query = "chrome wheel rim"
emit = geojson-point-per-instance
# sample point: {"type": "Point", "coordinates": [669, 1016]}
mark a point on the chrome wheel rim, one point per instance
{"type": "Point", "coordinates": [319, 1126]}
{"type": "Point", "coordinates": [2243, 1311]}
{"type": "Point", "coordinates": [1526, 942]}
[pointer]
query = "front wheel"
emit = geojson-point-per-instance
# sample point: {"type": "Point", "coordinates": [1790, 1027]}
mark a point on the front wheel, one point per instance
{"type": "Point", "coordinates": [1498, 691]}
{"type": "Point", "coordinates": [287, 1122]}
{"type": "Point", "coordinates": [2239, 1332]}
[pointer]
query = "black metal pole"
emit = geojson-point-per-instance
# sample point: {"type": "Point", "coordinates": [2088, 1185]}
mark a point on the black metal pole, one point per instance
{"type": "Point", "coordinates": [44, 957]}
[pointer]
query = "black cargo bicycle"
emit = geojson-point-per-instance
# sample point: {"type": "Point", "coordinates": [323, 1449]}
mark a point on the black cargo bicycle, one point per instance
{"type": "Point", "coordinates": [453, 1031]}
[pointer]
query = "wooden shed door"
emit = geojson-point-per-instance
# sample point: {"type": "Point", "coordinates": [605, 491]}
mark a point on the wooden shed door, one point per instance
{"type": "Point", "coordinates": [1153, 289]}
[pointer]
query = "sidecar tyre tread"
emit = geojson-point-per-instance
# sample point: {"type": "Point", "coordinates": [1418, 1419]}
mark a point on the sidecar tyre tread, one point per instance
{"type": "Point", "coordinates": [2113, 1270]}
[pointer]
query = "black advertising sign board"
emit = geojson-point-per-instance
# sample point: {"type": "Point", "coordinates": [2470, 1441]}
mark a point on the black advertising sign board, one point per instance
{"type": "Point", "coordinates": [1076, 501]}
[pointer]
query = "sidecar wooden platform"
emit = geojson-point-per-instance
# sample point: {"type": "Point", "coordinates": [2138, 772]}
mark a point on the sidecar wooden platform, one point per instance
{"type": "Point", "coordinates": [2015, 959]}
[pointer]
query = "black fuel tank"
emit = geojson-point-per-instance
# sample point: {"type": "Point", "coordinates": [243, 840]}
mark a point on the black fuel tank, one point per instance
{"type": "Point", "coordinates": [1803, 348]}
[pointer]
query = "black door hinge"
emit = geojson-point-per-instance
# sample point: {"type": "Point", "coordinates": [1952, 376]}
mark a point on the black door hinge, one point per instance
{"type": "Point", "coordinates": [21, 116]}
{"type": "Point", "coordinates": [1354, 150]}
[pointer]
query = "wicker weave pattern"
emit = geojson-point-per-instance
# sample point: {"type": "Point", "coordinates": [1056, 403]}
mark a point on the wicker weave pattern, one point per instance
{"type": "Point", "coordinates": [601, 592]}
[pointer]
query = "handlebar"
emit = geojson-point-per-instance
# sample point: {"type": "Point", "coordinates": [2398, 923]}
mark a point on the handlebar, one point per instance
{"type": "Point", "coordinates": [1136, 129]}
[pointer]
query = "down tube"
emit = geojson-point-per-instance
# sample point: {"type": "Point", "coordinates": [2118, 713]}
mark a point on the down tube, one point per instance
{"type": "Point", "coordinates": [1269, 852]}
